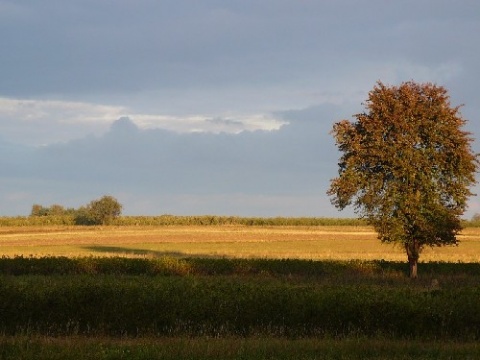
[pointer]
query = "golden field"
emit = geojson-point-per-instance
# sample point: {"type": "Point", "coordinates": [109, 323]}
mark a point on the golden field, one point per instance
{"type": "Point", "coordinates": [294, 242]}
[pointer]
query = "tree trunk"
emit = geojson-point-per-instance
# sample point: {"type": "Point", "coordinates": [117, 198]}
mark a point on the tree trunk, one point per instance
{"type": "Point", "coordinates": [413, 264]}
{"type": "Point", "coordinates": [413, 253]}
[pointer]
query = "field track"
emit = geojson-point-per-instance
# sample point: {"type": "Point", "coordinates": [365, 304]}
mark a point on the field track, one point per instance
{"type": "Point", "coordinates": [319, 242]}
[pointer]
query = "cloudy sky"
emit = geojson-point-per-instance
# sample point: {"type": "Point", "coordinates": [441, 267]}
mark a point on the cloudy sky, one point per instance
{"type": "Point", "coordinates": [209, 107]}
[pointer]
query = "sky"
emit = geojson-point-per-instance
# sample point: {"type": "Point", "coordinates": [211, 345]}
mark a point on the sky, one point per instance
{"type": "Point", "coordinates": [220, 107]}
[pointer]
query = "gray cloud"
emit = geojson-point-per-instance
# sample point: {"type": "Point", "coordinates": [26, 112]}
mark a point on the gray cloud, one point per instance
{"type": "Point", "coordinates": [273, 165]}
{"type": "Point", "coordinates": [91, 47]}
{"type": "Point", "coordinates": [153, 171]}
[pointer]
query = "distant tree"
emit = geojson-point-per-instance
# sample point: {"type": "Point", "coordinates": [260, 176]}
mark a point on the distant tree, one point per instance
{"type": "Point", "coordinates": [476, 217]}
{"type": "Point", "coordinates": [406, 166]}
{"type": "Point", "coordinates": [102, 211]}
{"type": "Point", "coordinates": [56, 210]}
{"type": "Point", "coordinates": [53, 210]}
{"type": "Point", "coordinates": [82, 216]}
{"type": "Point", "coordinates": [38, 210]}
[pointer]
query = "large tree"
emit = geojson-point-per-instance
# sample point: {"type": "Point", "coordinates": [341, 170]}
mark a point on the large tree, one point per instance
{"type": "Point", "coordinates": [406, 166]}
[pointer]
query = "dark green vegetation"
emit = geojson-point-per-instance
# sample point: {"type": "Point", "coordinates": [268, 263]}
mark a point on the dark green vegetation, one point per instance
{"type": "Point", "coordinates": [194, 308]}
{"type": "Point", "coordinates": [39, 348]}
{"type": "Point", "coordinates": [222, 297]}
{"type": "Point", "coordinates": [406, 166]}
{"type": "Point", "coordinates": [102, 211]}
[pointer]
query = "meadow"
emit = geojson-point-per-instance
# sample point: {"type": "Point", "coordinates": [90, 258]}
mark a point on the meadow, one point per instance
{"type": "Point", "coordinates": [233, 291]}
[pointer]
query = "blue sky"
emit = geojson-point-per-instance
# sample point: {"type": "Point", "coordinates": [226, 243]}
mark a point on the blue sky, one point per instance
{"type": "Point", "coordinates": [209, 107]}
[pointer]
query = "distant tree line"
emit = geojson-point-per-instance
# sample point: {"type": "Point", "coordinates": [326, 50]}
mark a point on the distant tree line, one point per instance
{"type": "Point", "coordinates": [70, 217]}
{"type": "Point", "coordinates": [98, 212]}
{"type": "Point", "coordinates": [476, 217]}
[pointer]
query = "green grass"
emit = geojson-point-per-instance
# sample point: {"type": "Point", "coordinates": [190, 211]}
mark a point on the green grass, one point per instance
{"type": "Point", "coordinates": [237, 297]}
{"type": "Point", "coordinates": [197, 308]}
{"type": "Point", "coordinates": [78, 348]}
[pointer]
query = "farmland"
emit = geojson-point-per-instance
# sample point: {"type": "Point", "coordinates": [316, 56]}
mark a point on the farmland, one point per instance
{"type": "Point", "coordinates": [233, 291]}
{"type": "Point", "coordinates": [276, 242]}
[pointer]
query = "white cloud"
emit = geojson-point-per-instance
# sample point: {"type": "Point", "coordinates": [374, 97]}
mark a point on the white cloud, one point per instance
{"type": "Point", "coordinates": [37, 122]}
{"type": "Point", "coordinates": [233, 124]}
{"type": "Point", "coordinates": [26, 110]}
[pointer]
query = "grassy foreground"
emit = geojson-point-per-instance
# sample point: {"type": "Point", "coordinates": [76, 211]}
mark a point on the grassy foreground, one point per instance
{"type": "Point", "coordinates": [75, 348]}
{"type": "Point", "coordinates": [237, 297]}
{"type": "Point", "coordinates": [232, 292]}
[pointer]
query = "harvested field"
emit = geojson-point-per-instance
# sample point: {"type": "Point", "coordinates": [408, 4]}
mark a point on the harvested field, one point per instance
{"type": "Point", "coordinates": [319, 242]}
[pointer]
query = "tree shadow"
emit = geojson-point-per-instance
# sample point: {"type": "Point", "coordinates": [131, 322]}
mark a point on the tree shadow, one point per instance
{"type": "Point", "coordinates": [118, 250]}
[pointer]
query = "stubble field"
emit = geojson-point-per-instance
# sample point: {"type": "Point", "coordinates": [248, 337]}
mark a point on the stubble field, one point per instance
{"type": "Point", "coordinates": [272, 242]}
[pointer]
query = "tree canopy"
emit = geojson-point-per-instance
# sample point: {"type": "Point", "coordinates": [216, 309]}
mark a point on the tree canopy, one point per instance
{"type": "Point", "coordinates": [98, 212]}
{"type": "Point", "coordinates": [104, 210]}
{"type": "Point", "coordinates": [406, 166]}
